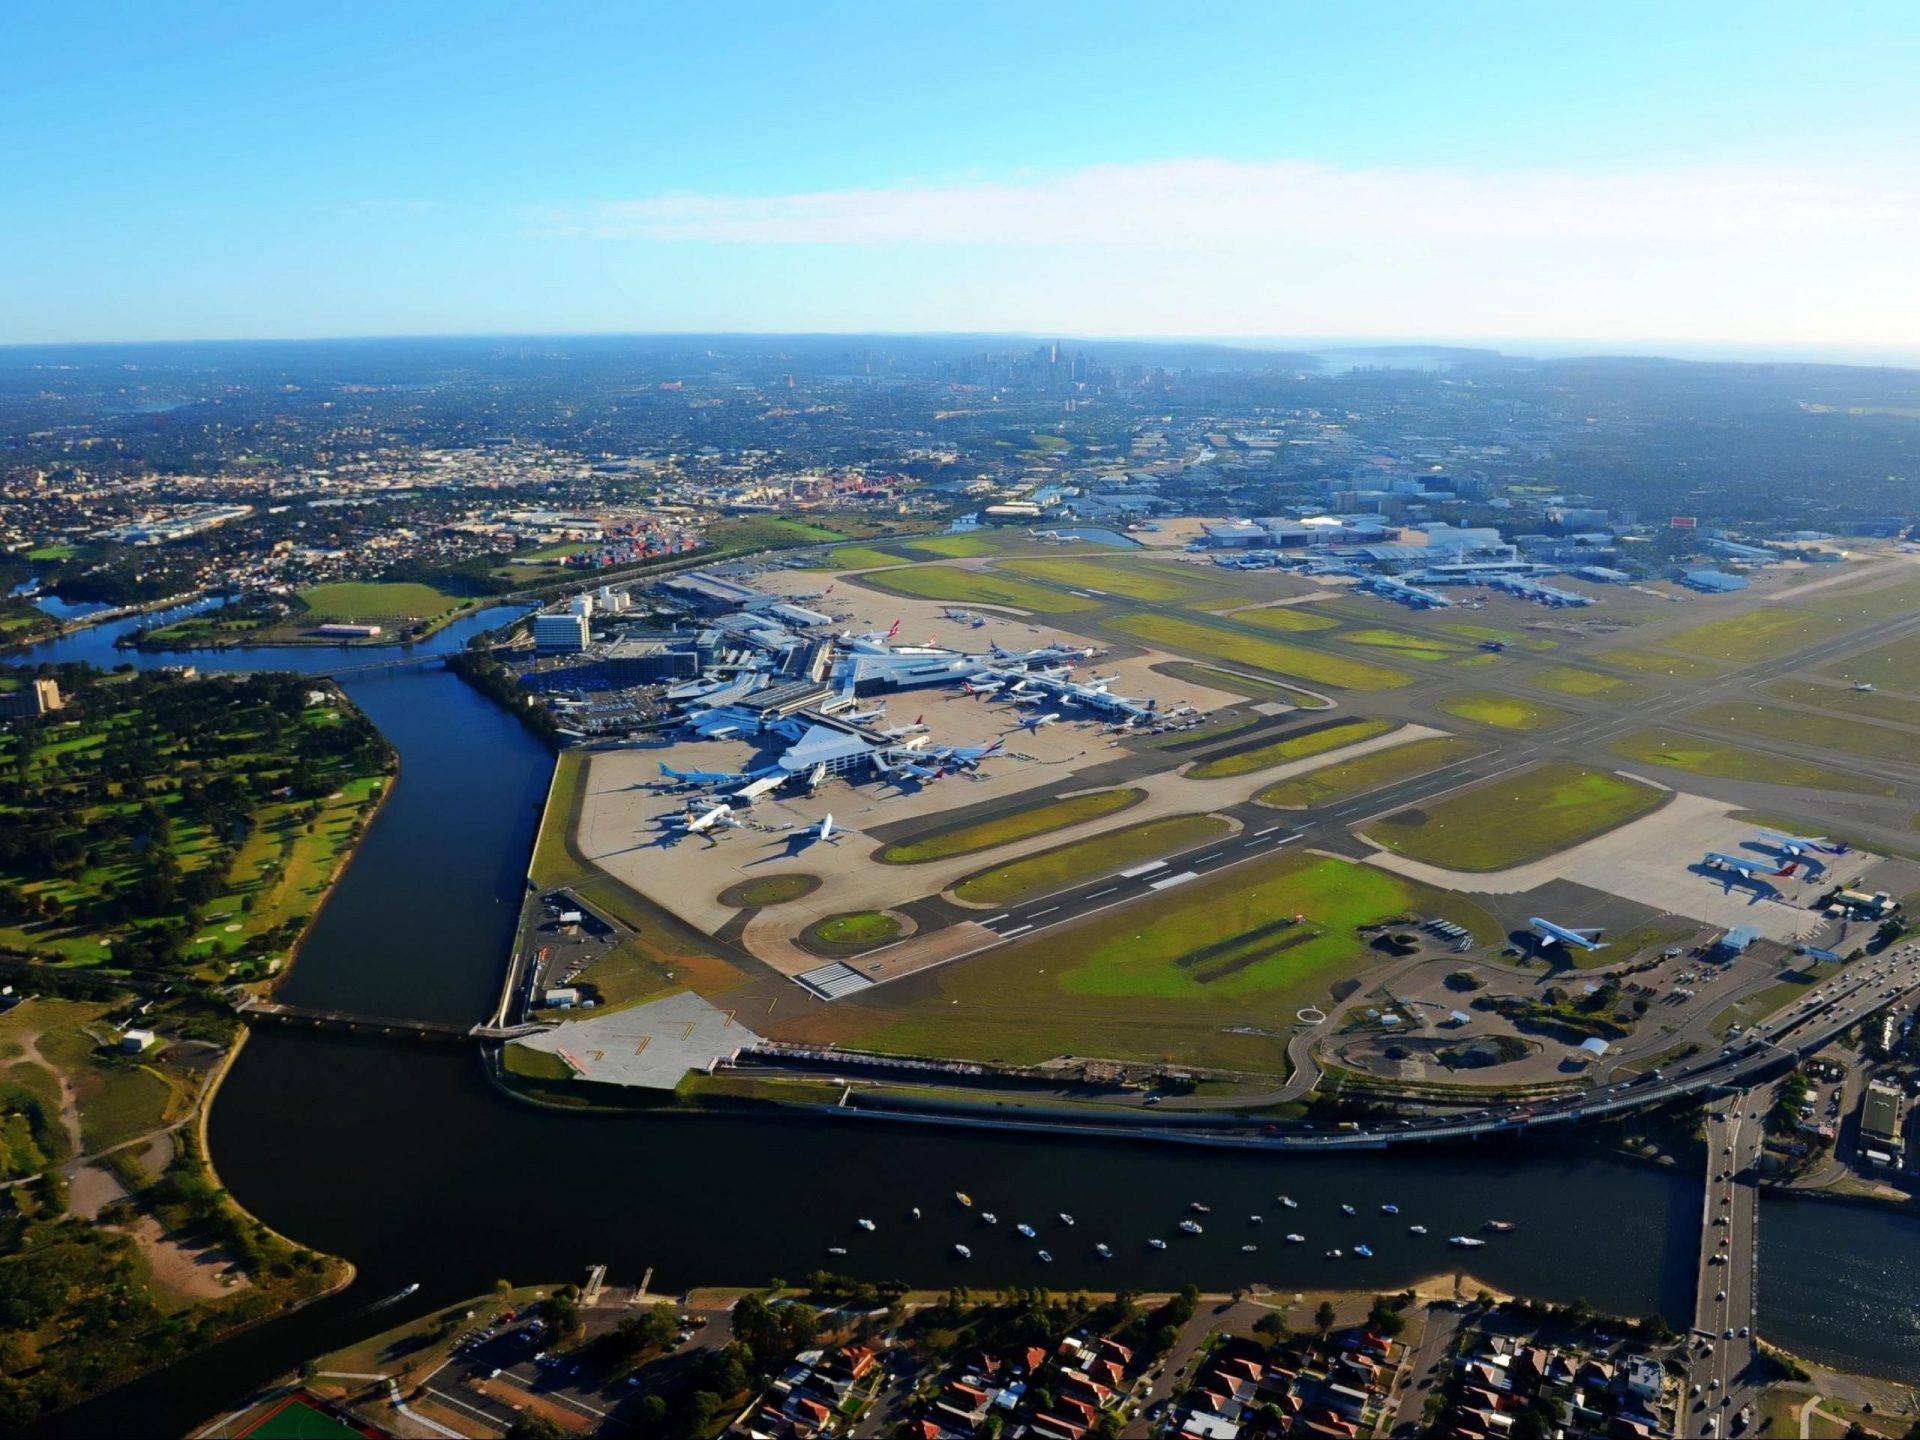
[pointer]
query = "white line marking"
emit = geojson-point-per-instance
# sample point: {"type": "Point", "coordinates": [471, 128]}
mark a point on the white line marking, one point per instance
{"type": "Point", "coordinates": [1205, 858]}
{"type": "Point", "coordinates": [1285, 839]}
{"type": "Point", "coordinates": [1268, 831]}
{"type": "Point", "coordinates": [1098, 893]}
{"type": "Point", "coordinates": [1017, 930]}
{"type": "Point", "coordinates": [1180, 879]}
{"type": "Point", "coordinates": [1146, 869]}
{"type": "Point", "coordinates": [994, 921]}
{"type": "Point", "coordinates": [1036, 914]}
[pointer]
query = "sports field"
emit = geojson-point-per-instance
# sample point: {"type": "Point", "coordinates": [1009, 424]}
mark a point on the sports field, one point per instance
{"type": "Point", "coordinates": [1570, 680]}
{"type": "Point", "coordinates": [1654, 663]}
{"type": "Point", "coordinates": [1515, 818]}
{"type": "Point", "coordinates": [1850, 702]}
{"type": "Point", "coordinates": [1294, 747]}
{"type": "Point", "coordinates": [1727, 762]}
{"type": "Point", "coordinates": [1210, 973]}
{"type": "Point", "coordinates": [1112, 575]}
{"type": "Point", "coordinates": [976, 587]}
{"type": "Point", "coordinates": [1294, 661]}
{"type": "Point", "coordinates": [1083, 859]}
{"type": "Point", "coordinates": [1368, 772]}
{"type": "Point", "coordinates": [1404, 645]}
{"type": "Point", "coordinates": [1761, 633]}
{"type": "Point", "coordinates": [1504, 712]}
{"type": "Point", "coordinates": [1819, 732]}
{"type": "Point", "coordinates": [1896, 665]}
{"type": "Point", "coordinates": [377, 600]}
{"type": "Point", "coordinates": [1289, 619]}
{"type": "Point", "coordinates": [1005, 829]}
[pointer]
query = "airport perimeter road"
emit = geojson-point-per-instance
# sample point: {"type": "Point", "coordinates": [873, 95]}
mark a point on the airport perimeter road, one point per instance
{"type": "Point", "coordinates": [1722, 1344]}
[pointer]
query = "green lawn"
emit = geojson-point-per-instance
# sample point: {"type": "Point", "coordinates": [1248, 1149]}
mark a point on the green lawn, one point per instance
{"type": "Point", "coordinates": [351, 600]}
{"type": "Point", "coordinates": [1882, 603]}
{"type": "Point", "coordinates": [1113, 575]}
{"type": "Point", "coordinates": [1516, 818]}
{"type": "Point", "coordinates": [1570, 680]}
{"type": "Point", "coordinates": [856, 557]}
{"type": "Point", "coordinates": [1288, 619]}
{"type": "Point", "coordinates": [1760, 633]}
{"type": "Point", "coordinates": [1500, 637]}
{"type": "Point", "coordinates": [1704, 757]}
{"type": "Point", "coordinates": [769, 890]}
{"type": "Point", "coordinates": [1896, 665]}
{"type": "Point", "coordinates": [976, 587]}
{"type": "Point", "coordinates": [1227, 680]}
{"type": "Point", "coordinates": [1207, 973]}
{"type": "Point", "coordinates": [120, 1097]}
{"type": "Point", "coordinates": [1369, 772]}
{"type": "Point", "coordinates": [1851, 702]}
{"type": "Point", "coordinates": [1020, 824]}
{"type": "Point", "coordinates": [1504, 712]}
{"type": "Point", "coordinates": [860, 927]}
{"type": "Point", "coordinates": [1819, 732]}
{"type": "Point", "coordinates": [958, 547]}
{"type": "Point", "coordinates": [1404, 645]}
{"type": "Point", "coordinates": [1295, 747]}
{"type": "Point", "coordinates": [1654, 663]}
{"type": "Point", "coordinates": [1083, 859]}
{"type": "Point", "coordinates": [1275, 656]}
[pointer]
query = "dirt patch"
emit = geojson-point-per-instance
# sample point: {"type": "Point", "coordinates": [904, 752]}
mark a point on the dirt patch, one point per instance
{"type": "Point", "coordinates": [181, 1274]}
{"type": "Point", "coordinates": [158, 1154]}
{"type": "Point", "coordinates": [91, 1189]}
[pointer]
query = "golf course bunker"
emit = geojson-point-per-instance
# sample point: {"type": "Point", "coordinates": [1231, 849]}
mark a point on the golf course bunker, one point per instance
{"type": "Point", "coordinates": [769, 890]}
{"type": "Point", "coordinates": [1653, 860]}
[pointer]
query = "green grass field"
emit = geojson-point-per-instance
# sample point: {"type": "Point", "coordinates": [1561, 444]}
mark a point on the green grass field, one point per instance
{"type": "Point", "coordinates": [1849, 702]}
{"type": "Point", "coordinates": [1500, 637]}
{"type": "Point", "coordinates": [1227, 680]}
{"type": "Point", "coordinates": [1504, 712]}
{"type": "Point", "coordinates": [1293, 661]}
{"type": "Point", "coordinates": [1023, 824]}
{"type": "Point", "coordinates": [1882, 603]}
{"type": "Point", "coordinates": [1654, 663]}
{"type": "Point", "coordinates": [1515, 818]}
{"type": "Point", "coordinates": [1591, 684]}
{"type": "Point", "coordinates": [1404, 645]}
{"type": "Point", "coordinates": [1112, 575]}
{"type": "Point", "coordinates": [976, 587]}
{"type": "Point", "coordinates": [1083, 859]}
{"type": "Point", "coordinates": [769, 890]}
{"type": "Point", "coordinates": [860, 927]}
{"type": "Point", "coordinates": [1819, 732]}
{"type": "Point", "coordinates": [1288, 619]}
{"type": "Point", "coordinates": [1368, 772]}
{"type": "Point", "coordinates": [1210, 973]}
{"type": "Point", "coordinates": [1297, 747]}
{"type": "Point", "coordinates": [958, 547]}
{"type": "Point", "coordinates": [1896, 666]}
{"type": "Point", "coordinates": [856, 557]}
{"type": "Point", "coordinates": [1760, 633]}
{"type": "Point", "coordinates": [351, 600]}
{"type": "Point", "coordinates": [1704, 757]}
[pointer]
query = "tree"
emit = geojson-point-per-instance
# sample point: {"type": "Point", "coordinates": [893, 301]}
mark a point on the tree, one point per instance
{"type": "Point", "coordinates": [1274, 1326]}
{"type": "Point", "coordinates": [1383, 1319]}
{"type": "Point", "coordinates": [1324, 1317]}
{"type": "Point", "coordinates": [535, 1427]}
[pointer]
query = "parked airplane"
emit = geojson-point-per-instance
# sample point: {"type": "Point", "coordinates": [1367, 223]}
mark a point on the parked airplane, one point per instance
{"type": "Point", "coordinates": [981, 687]}
{"type": "Point", "coordinates": [704, 823]}
{"type": "Point", "coordinates": [1567, 935]}
{"type": "Point", "coordinates": [828, 833]}
{"type": "Point", "coordinates": [969, 755]}
{"type": "Point", "coordinates": [1034, 722]}
{"type": "Point", "coordinates": [899, 732]}
{"type": "Point", "coordinates": [704, 779]}
{"type": "Point", "coordinates": [1798, 845]}
{"type": "Point", "coordinates": [1747, 868]}
{"type": "Point", "coordinates": [864, 717]}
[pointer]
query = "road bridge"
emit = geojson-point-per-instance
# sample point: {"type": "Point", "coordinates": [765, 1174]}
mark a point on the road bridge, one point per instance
{"type": "Point", "coordinates": [1722, 1347]}
{"type": "Point", "coordinates": [317, 1018]}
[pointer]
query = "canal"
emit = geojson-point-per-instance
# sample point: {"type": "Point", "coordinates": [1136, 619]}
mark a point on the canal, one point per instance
{"type": "Point", "coordinates": [402, 1158]}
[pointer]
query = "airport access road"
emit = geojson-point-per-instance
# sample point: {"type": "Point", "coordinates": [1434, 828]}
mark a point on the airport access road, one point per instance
{"type": "Point", "coordinates": [1722, 1348]}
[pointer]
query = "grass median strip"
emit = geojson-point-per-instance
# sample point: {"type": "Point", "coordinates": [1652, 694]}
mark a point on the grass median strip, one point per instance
{"type": "Point", "coordinates": [976, 587]}
{"type": "Point", "coordinates": [1761, 633]}
{"type": "Point", "coordinates": [1504, 712]}
{"type": "Point", "coordinates": [1817, 732]}
{"type": "Point", "coordinates": [857, 928]}
{"type": "Point", "coordinates": [1112, 575]}
{"type": "Point", "coordinates": [1515, 818]}
{"type": "Point", "coordinates": [1850, 702]}
{"type": "Point", "coordinates": [1680, 667]}
{"type": "Point", "coordinates": [1290, 619]}
{"type": "Point", "coordinates": [1290, 747]}
{"type": "Point", "coordinates": [1276, 656]}
{"type": "Point", "coordinates": [1368, 772]}
{"type": "Point", "coordinates": [1571, 680]}
{"type": "Point", "coordinates": [1404, 645]}
{"type": "Point", "coordinates": [1083, 859]}
{"type": "Point", "coordinates": [1023, 824]}
{"type": "Point", "coordinates": [1705, 757]}
{"type": "Point", "coordinates": [1897, 665]}
{"type": "Point", "coordinates": [1228, 681]}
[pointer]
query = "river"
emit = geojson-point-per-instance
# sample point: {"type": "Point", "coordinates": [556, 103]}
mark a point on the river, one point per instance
{"type": "Point", "coordinates": [401, 1157]}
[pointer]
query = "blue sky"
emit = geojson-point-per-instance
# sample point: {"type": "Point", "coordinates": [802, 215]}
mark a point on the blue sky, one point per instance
{"type": "Point", "coordinates": [1680, 175]}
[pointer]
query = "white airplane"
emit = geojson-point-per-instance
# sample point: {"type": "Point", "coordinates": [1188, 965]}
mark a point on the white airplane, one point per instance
{"type": "Point", "coordinates": [1034, 722]}
{"type": "Point", "coordinates": [1566, 935]}
{"type": "Point", "coordinates": [828, 833]}
{"type": "Point", "coordinates": [898, 732]}
{"type": "Point", "coordinates": [1748, 869]}
{"type": "Point", "coordinates": [1798, 845]}
{"type": "Point", "coordinates": [862, 717]}
{"type": "Point", "coordinates": [1863, 687]}
{"type": "Point", "coordinates": [982, 687]}
{"type": "Point", "coordinates": [970, 755]}
{"type": "Point", "coordinates": [704, 823]}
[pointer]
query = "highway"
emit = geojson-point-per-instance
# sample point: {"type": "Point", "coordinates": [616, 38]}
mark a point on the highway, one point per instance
{"type": "Point", "coordinates": [1722, 1346]}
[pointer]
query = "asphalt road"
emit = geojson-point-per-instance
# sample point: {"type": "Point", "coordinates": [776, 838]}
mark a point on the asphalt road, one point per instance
{"type": "Point", "coordinates": [1724, 1308]}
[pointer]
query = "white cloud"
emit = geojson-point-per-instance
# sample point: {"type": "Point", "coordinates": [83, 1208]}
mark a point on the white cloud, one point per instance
{"type": "Point", "coordinates": [1203, 246]}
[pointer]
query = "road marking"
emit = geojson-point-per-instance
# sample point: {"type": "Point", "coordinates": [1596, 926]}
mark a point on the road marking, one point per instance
{"type": "Point", "coordinates": [1268, 831]}
{"type": "Point", "coordinates": [1017, 930]}
{"type": "Point", "coordinates": [1146, 869]}
{"type": "Point", "coordinates": [1250, 844]}
{"type": "Point", "coordinates": [1098, 893]}
{"type": "Point", "coordinates": [1180, 879]}
{"type": "Point", "coordinates": [1036, 914]}
{"type": "Point", "coordinates": [1205, 858]}
{"type": "Point", "coordinates": [994, 921]}
{"type": "Point", "coordinates": [1286, 839]}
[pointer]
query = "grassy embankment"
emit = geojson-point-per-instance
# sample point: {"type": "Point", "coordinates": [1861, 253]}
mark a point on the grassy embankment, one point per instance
{"type": "Point", "coordinates": [658, 954]}
{"type": "Point", "coordinates": [1589, 684]}
{"type": "Point", "coordinates": [1099, 854]}
{"type": "Point", "coordinates": [1294, 662]}
{"type": "Point", "coordinates": [1209, 973]}
{"type": "Point", "coordinates": [1022, 824]}
{"type": "Point", "coordinates": [1504, 712]}
{"type": "Point", "coordinates": [1295, 747]}
{"type": "Point", "coordinates": [975, 587]}
{"type": "Point", "coordinates": [1367, 773]}
{"type": "Point", "coordinates": [1726, 762]}
{"type": "Point", "coordinates": [1515, 818]}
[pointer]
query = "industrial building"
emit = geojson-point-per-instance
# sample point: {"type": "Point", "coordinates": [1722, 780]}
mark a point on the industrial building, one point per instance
{"type": "Point", "coordinates": [1882, 1139]}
